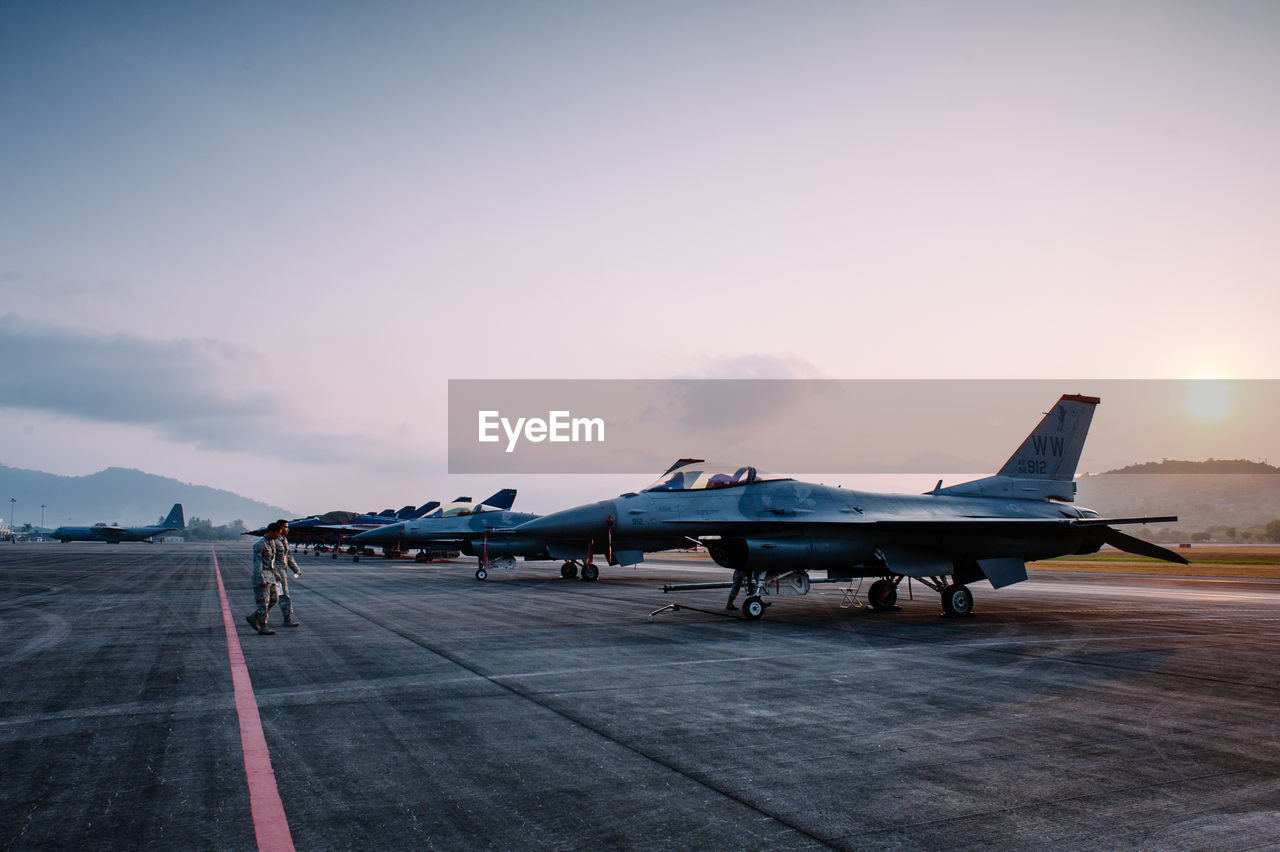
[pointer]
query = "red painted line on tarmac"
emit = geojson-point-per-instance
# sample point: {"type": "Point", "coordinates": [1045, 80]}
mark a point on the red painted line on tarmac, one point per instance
{"type": "Point", "coordinates": [269, 823]}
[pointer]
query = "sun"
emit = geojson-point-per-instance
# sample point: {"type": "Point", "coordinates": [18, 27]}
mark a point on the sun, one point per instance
{"type": "Point", "coordinates": [1208, 400]}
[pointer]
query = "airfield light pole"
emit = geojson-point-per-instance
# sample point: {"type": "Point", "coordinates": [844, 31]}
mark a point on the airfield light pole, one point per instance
{"type": "Point", "coordinates": [12, 501]}
{"type": "Point", "coordinates": [42, 507]}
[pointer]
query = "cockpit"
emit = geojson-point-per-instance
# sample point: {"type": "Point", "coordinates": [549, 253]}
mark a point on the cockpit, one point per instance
{"type": "Point", "coordinates": [707, 475]}
{"type": "Point", "coordinates": [456, 511]}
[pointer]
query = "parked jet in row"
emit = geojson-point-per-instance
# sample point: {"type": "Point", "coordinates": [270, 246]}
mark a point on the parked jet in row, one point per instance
{"type": "Point", "coordinates": [777, 531]}
{"type": "Point", "coordinates": [114, 533]}
{"type": "Point", "coordinates": [462, 526]}
{"type": "Point", "coordinates": [335, 527]}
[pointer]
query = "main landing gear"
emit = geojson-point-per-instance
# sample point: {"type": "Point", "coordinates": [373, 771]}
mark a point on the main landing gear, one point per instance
{"type": "Point", "coordinates": [569, 570]}
{"type": "Point", "coordinates": [957, 600]}
{"type": "Point", "coordinates": [883, 595]}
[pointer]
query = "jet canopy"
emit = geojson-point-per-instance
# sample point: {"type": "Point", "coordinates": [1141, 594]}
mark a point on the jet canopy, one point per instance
{"type": "Point", "coordinates": [704, 476]}
{"type": "Point", "coordinates": [460, 509]}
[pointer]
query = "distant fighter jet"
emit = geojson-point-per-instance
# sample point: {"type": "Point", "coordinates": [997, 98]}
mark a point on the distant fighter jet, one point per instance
{"type": "Point", "coordinates": [462, 526]}
{"type": "Point", "coordinates": [335, 527]}
{"type": "Point", "coordinates": [114, 533]}
{"type": "Point", "coordinates": [777, 531]}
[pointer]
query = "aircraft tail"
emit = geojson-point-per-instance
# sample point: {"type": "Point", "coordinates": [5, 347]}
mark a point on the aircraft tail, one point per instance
{"type": "Point", "coordinates": [1053, 448]}
{"type": "Point", "coordinates": [175, 519]}
{"type": "Point", "coordinates": [422, 510]}
{"type": "Point", "coordinates": [1044, 466]}
{"type": "Point", "coordinates": [504, 499]}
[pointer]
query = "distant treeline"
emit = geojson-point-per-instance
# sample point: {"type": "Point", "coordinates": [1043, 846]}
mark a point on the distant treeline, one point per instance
{"type": "Point", "coordinates": [202, 529]}
{"type": "Point", "coordinates": [1208, 466]}
{"type": "Point", "coordinates": [1265, 533]}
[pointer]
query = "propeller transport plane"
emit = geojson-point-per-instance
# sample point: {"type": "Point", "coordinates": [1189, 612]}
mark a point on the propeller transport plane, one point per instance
{"type": "Point", "coordinates": [114, 533]}
{"type": "Point", "coordinates": [779, 531]}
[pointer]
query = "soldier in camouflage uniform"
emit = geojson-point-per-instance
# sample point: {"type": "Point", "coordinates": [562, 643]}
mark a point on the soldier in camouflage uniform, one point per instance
{"type": "Point", "coordinates": [265, 593]}
{"type": "Point", "coordinates": [284, 564]}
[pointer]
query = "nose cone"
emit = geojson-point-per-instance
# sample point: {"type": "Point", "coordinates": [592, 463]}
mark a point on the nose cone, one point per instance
{"type": "Point", "coordinates": [386, 534]}
{"type": "Point", "coordinates": [579, 523]}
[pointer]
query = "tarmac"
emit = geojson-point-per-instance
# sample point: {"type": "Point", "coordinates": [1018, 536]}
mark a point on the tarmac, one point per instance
{"type": "Point", "coordinates": [418, 708]}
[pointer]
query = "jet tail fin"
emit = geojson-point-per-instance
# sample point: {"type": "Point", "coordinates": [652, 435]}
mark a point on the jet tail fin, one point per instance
{"type": "Point", "coordinates": [1044, 466]}
{"type": "Point", "coordinates": [175, 519]}
{"type": "Point", "coordinates": [1053, 448]}
{"type": "Point", "coordinates": [504, 499]}
{"type": "Point", "coordinates": [422, 510]}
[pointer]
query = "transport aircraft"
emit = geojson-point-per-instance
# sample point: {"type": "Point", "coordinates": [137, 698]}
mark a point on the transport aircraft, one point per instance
{"type": "Point", "coordinates": [778, 531]}
{"type": "Point", "coordinates": [114, 533]}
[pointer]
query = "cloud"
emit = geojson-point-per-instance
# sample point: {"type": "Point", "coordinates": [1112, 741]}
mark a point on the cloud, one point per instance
{"type": "Point", "coordinates": [756, 365]}
{"type": "Point", "coordinates": [198, 391]}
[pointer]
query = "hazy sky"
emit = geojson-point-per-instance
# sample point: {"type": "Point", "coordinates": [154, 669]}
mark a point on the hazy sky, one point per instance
{"type": "Point", "coordinates": [247, 244]}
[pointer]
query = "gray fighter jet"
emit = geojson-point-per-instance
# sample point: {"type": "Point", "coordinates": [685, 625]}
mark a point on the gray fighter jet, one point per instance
{"type": "Point", "coordinates": [778, 531]}
{"type": "Point", "coordinates": [114, 533]}
{"type": "Point", "coordinates": [466, 527]}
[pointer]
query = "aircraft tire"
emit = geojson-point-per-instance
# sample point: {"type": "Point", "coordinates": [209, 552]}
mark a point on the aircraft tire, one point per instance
{"type": "Point", "coordinates": [590, 572]}
{"type": "Point", "coordinates": [882, 595]}
{"type": "Point", "coordinates": [568, 571]}
{"type": "Point", "coordinates": [957, 600]}
{"type": "Point", "coordinates": [753, 608]}
{"type": "Point", "coordinates": [481, 574]}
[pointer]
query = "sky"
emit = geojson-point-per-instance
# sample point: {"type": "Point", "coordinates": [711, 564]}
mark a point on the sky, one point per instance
{"type": "Point", "coordinates": [247, 245]}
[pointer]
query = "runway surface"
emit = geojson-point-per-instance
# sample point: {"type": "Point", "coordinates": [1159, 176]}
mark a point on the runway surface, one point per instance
{"type": "Point", "coordinates": [419, 708]}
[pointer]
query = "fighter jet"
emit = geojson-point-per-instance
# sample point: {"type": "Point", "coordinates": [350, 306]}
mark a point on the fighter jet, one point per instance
{"type": "Point", "coordinates": [464, 527]}
{"type": "Point", "coordinates": [114, 533]}
{"type": "Point", "coordinates": [335, 527]}
{"type": "Point", "coordinates": [778, 531]}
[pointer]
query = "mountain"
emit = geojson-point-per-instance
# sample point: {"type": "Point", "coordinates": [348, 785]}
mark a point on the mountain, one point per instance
{"type": "Point", "coordinates": [1215, 492]}
{"type": "Point", "coordinates": [1223, 466]}
{"type": "Point", "coordinates": [121, 495]}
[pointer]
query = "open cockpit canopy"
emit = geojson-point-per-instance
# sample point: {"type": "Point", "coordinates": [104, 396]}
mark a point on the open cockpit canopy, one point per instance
{"type": "Point", "coordinates": [702, 476]}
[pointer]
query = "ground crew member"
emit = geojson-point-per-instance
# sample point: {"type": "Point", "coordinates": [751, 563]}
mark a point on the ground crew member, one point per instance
{"type": "Point", "coordinates": [285, 563]}
{"type": "Point", "coordinates": [265, 593]}
{"type": "Point", "coordinates": [738, 576]}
